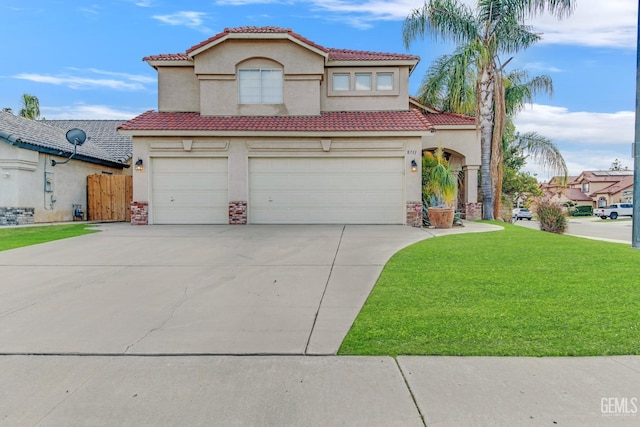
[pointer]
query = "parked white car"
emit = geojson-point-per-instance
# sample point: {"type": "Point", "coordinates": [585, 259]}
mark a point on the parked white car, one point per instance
{"type": "Point", "coordinates": [614, 210]}
{"type": "Point", "coordinates": [521, 213]}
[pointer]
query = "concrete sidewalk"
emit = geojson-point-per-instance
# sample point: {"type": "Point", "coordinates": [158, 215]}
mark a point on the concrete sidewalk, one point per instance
{"type": "Point", "coordinates": [318, 391]}
{"type": "Point", "coordinates": [237, 325]}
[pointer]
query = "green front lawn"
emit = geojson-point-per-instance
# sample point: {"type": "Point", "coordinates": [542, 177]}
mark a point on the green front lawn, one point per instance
{"type": "Point", "coordinates": [11, 238]}
{"type": "Point", "coordinates": [517, 292]}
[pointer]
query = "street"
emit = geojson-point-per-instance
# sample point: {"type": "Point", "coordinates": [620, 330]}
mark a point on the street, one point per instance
{"type": "Point", "coordinates": [619, 230]}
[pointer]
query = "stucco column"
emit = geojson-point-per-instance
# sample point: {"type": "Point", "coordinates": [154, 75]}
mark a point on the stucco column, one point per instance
{"type": "Point", "coordinates": [471, 183]}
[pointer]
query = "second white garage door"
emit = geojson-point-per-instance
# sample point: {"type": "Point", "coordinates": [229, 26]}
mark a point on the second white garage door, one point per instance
{"type": "Point", "coordinates": [326, 190]}
{"type": "Point", "coordinates": [190, 190]}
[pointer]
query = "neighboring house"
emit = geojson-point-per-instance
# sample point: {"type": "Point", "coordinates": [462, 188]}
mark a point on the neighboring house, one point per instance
{"type": "Point", "coordinates": [34, 191]}
{"type": "Point", "coordinates": [260, 125]}
{"type": "Point", "coordinates": [592, 188]}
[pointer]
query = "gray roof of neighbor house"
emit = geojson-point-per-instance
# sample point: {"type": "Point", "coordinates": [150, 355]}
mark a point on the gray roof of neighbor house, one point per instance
{"type": "Point", "coordinates": [101, 146]}
{"type": "Point", "coordinates": [102, 132]}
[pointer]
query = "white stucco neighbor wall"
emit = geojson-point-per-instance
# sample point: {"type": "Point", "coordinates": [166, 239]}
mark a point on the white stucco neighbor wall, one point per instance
{"type": "Point", "coordinates": [23, 174]}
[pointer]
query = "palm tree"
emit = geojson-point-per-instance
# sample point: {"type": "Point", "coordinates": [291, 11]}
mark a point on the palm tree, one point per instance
{"type": "Point", "coordinates": [30, 107]}
{"type": "Point", "coordinates": [495, 28]}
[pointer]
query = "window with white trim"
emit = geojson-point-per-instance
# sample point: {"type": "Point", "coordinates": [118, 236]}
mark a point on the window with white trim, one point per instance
{"type": "Point", "coordinates": [373, 82]}
{"type": "Point", "coordinates": [341, 82]}
{"type": "Point", "coordinates": [260, 86]}
{"type": "Point", "coordinates": [384, 81]}
{"type": "Point", "coordinates": [363, 81]}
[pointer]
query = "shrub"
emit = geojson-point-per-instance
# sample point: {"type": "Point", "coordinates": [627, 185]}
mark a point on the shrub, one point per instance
{"type": "Point", "coordinates": [551, 217]}
{"type": "Point", "coordinates": [582, 211]}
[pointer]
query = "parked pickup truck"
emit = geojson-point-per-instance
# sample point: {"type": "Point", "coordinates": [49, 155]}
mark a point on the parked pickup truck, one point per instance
{"type": "Point", "coordinates": [614, 211]}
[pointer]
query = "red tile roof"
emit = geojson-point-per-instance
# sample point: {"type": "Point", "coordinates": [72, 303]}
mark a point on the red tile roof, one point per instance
{"type": "Point", "coordinates": [444, 119]}
{"type": "Point", "coordinates": [334, 54]}
{"type": "Point", "coordinates": [255, 30]}
{"type": "Point", "coordinates": [624, 183]}
{"type": "Point", "coordinates": [438, 117]}
{"type": "Point", "coordinates": [361, 55]}
{"type": "Point", "coordinates": [575, 194]}
{"type": "Point", "coordinates": [358, 121]}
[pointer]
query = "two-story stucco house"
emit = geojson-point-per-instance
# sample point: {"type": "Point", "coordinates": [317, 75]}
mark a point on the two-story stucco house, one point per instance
{"type": "Point", "coordinates": [260, 125]}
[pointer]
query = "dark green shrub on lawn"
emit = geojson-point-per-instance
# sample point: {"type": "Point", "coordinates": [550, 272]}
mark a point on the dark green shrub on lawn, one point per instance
{"type": "Point", "coordinates": [582, 211]}
{"type": "Point", "coordinates": [551, 217]}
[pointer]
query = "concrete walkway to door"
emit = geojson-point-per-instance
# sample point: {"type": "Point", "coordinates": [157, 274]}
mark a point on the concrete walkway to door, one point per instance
{"type": "Point", "coordinates": [193, 289]}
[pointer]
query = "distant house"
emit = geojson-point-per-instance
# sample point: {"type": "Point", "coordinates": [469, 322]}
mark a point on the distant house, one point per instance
{"type": "Point", "coordinates": [261, 125]}
{"type": "Point", "coordinates": [32, 190]}
{"type": "Point", "coordinates": [592, 188]}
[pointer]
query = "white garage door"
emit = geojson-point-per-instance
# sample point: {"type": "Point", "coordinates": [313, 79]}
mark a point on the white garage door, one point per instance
{"type": "Point", "coordinates": [326, 190]}
{"type": "Point", "coordinates": [190, 191]}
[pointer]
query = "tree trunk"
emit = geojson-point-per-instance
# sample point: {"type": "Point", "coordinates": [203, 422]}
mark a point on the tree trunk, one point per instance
{"type": "Point", "coordinates": [485, 122]}
{"type": "Point", "coordinates": [496, 143]}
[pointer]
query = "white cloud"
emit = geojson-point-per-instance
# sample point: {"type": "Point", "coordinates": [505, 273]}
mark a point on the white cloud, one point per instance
{"type": "Point", "coordinates": [598, 23]}
{"type": "Point", "coordinates": [610, 23]}
{"type": "Point", "coordinates": [587, 140]}
{"type": "Point", "coordinates": [540, 66]}
{"type": "Point", "coordinates": [125, 82]}
{"type": "Point", "coordinates": [578, 127]}
{"type": "Point", "coordinates": [188, 19]}
{"type": "Point", "coordinates": [87, 112]}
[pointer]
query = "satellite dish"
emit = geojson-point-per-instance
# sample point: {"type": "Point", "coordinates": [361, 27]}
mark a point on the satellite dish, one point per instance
{"type": "Point", "coordinates": [76, 136]}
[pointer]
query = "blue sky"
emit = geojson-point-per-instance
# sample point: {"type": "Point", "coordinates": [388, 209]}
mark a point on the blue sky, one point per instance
{"type": "Point", "coordinates": [84, 60]}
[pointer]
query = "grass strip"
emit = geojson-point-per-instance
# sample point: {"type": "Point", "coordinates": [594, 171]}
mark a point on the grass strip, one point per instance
{"type": "Point", "coordinates": [16, 237]}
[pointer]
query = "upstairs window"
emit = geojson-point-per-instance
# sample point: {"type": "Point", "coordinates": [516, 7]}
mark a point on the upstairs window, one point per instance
{"type": "Point", "coordinates": [376, 81]}
{"type": "Point", "coordinates": [384, 81]}
{"type": "Point", "coordinates": [363, 81]}
{"type": "Point", "coordinates": [585, 187]}
{"type": "Point", "coordinates": [260, 86]}
{"type": "Point", "coordinates": [341, 82]}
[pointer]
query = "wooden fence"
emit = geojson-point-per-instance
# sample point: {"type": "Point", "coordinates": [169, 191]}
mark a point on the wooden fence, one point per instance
{"type": "Point", "coordinates": [109, 197]}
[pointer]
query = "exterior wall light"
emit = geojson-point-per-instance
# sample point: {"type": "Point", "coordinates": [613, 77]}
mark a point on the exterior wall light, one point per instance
{"type": "Point", "coordinates": [139, 165]}
{"type": "Point", "coordinates": [414, 165]}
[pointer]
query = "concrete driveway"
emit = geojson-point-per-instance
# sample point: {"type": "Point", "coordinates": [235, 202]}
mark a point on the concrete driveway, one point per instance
{"type": "Point", "coordinates": [142, 326]}
{"type": "Point", "coordinates": [193, 289]}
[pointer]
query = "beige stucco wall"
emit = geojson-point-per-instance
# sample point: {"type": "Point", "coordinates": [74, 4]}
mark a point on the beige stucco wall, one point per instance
{"type": "Point", "coordinates": [178, 89]}
{"type": "Point", "coordinates": [22, 183]}
{"type": "Point", "coordinates": [238, 150]}
{"type": "Point", "coordinates": [465, 142]}
{"type": "Point", "coordinates": [217, 70]}
{"type": "Point", "coordinates": [211, 85]}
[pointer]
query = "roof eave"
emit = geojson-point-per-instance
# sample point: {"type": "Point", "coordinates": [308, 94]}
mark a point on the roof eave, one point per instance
{"type": "Point", "coordinates": [272, 133]}
{"type": "Point", "coordinates": [155, 63]}
{"type": "Point", "coordinates": [17, 142]}
{"type": "Point", "coordinates": [256, 36]}
{"type": "Point", "coordinates": [372, 63]}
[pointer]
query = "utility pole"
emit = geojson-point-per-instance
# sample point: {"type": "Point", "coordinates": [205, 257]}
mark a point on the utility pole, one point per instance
{"type": "Point", "coordinates": [635, 239]}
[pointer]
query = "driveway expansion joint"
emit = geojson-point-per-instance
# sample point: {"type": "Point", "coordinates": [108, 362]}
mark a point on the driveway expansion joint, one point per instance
{"type": "Point", "coordinates": [324, 291]}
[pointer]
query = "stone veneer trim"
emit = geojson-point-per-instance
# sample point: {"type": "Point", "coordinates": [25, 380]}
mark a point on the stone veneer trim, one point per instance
{"type": "Point", "coordinates": [139, 213]}
{"type": "Point", "coordinates": [238, 212]}
{"type": "Point", "coordinates": [16, 216]}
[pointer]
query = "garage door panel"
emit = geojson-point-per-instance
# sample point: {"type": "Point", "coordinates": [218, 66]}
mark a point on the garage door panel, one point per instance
{"type": "Point", "coordinates": [327, 190]}
{"type": "Point", "coordinates": [190, 191]}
